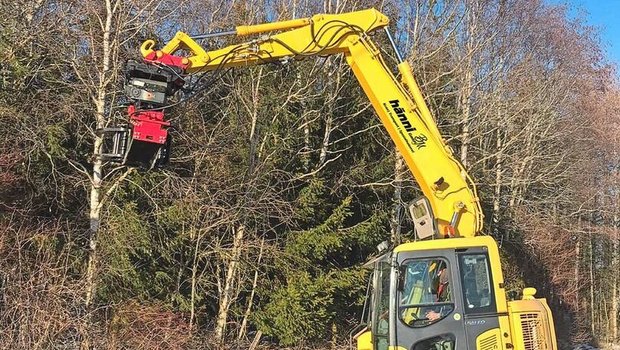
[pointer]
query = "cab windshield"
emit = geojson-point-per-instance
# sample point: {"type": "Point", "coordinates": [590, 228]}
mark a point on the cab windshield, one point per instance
{"type": "Point", "coordinates": [425, 292]}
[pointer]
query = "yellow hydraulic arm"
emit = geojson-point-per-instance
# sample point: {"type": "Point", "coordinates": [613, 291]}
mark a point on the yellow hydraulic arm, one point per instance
{"type": "Point", "coordinates": [399, 105]}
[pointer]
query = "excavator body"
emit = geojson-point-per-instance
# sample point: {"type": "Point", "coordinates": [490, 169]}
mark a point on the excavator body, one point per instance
{"type": "Point", "coordinates": [444, 290]}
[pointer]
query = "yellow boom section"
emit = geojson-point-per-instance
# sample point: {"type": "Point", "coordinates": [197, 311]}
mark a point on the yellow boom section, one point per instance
{"type": "Point", "coordinates": [400, 107]}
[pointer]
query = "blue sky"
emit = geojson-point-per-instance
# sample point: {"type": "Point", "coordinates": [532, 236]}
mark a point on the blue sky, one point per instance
{"type": "Point", "coordinates": [605, 16]}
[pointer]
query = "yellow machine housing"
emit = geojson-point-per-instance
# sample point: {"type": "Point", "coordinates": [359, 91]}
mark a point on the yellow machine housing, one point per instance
{"type": "Point", "coordinates": [432, 294]}
{"type": "Point", "coordinates": [521, 324]}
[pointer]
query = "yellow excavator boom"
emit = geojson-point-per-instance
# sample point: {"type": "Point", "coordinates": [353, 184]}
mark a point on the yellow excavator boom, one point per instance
{"type": "Point", "coordinates": [399, 105]}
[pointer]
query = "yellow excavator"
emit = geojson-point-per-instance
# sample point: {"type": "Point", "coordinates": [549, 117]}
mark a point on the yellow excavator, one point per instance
{"type": "Point", "coordinates": [444, 290]}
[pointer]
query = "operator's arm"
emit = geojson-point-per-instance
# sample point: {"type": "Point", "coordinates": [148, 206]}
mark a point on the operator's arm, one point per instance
{"type": "Point", "coordinates": [401, 108]}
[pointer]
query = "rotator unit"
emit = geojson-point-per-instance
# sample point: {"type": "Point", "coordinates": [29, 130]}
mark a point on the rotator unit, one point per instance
{"type": "Point", "coordinates": [144, 140]}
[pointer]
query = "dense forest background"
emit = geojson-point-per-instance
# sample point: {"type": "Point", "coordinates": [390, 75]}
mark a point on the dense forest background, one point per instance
{"type": "Point", "coordinates": [282, 180]}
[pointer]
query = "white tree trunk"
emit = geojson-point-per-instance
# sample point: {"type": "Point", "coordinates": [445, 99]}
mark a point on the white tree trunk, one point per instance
{"type": "Point", "coordinates": [226, 296]}
{"type": "Point", "coordinates": [395, 219]}
{"type": "Point", "coordinates": [248, 310]}
{"type": "Point", "coordinates": [499, 159]}
{"type": "Point", "coordinates": [467, 86]}
{"type": "Point", "coordinates": [97, 174]}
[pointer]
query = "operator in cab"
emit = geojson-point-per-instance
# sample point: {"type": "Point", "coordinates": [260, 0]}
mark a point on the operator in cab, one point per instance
{"type": "Point", "coordinates": [426, 295]}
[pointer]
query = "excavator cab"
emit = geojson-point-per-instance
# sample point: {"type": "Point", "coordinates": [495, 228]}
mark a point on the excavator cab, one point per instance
{"type": "Point", "coordinates": [144, 140]}
{"type": "Point", "coordinates": [449, 294]}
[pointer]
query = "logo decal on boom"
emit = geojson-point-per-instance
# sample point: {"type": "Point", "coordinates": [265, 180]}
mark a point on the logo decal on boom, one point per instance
{"type": "Point", "coordinates": [412, 140]}
{"type": "Point", "coordinates": [400, 113]}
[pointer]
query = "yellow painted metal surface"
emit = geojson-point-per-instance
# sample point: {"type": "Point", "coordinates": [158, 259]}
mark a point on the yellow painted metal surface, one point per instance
{"type": "Point", "coordinates": [504, 325]}
{"type": "Point", "coordinates": [469, 242]}
{"type": "Point", "coordinates": [489, 340]}
{"type": "Point", "coordinates": [268, 27]}
{"type": "Point", "coordinates": [364, 341]}
{"type": "Point", "coordinates": [434, 168]}
{"type": "Point", "coordinates": [531, 324]}
{"type": "Point", "coordinates": [321, 34]}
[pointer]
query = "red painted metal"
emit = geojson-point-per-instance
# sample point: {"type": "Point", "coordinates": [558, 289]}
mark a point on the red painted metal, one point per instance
{"type": "Point", "coordinates": [166, 59]}
{"type": "Point", "coordinates": [148, 126]}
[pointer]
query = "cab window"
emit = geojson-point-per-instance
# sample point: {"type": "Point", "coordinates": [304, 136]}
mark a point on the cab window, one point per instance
{"type": "Point", "coordinates": [440, 342]}
{"type": "Point", "coordinates": [425, 291]}
{"type": "Point", "coordinates": [477, 283]}
{"type": "Point", "coordinates": [381, 305]}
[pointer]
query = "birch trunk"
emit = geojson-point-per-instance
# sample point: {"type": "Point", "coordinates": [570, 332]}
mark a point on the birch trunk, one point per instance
{"type": "Point", "coordinates": [332, 86]}
{"type": "Point", "coordinates": [97, 175]}
{"type": "Point", "coordinates": [497, 192]}
{"type": "Point", "coordinates": [228, 290]}
{"type": "Point", "coordinates": [466, 90]}
{"type": "Point", "coordinates": [248, 310]}
{"type": "Point", "coordinates": [227, 293]}
{"type": "Point", "coordinates": [305, 157]}
{"type": "Point", "coordinates": [326, 137]}
{"type": "Point", "coordinates": [577, 270]}
{"type": "Point", "coordinates": [192, 315]}
{"type": "Point", "coordinates": [395, 219]}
